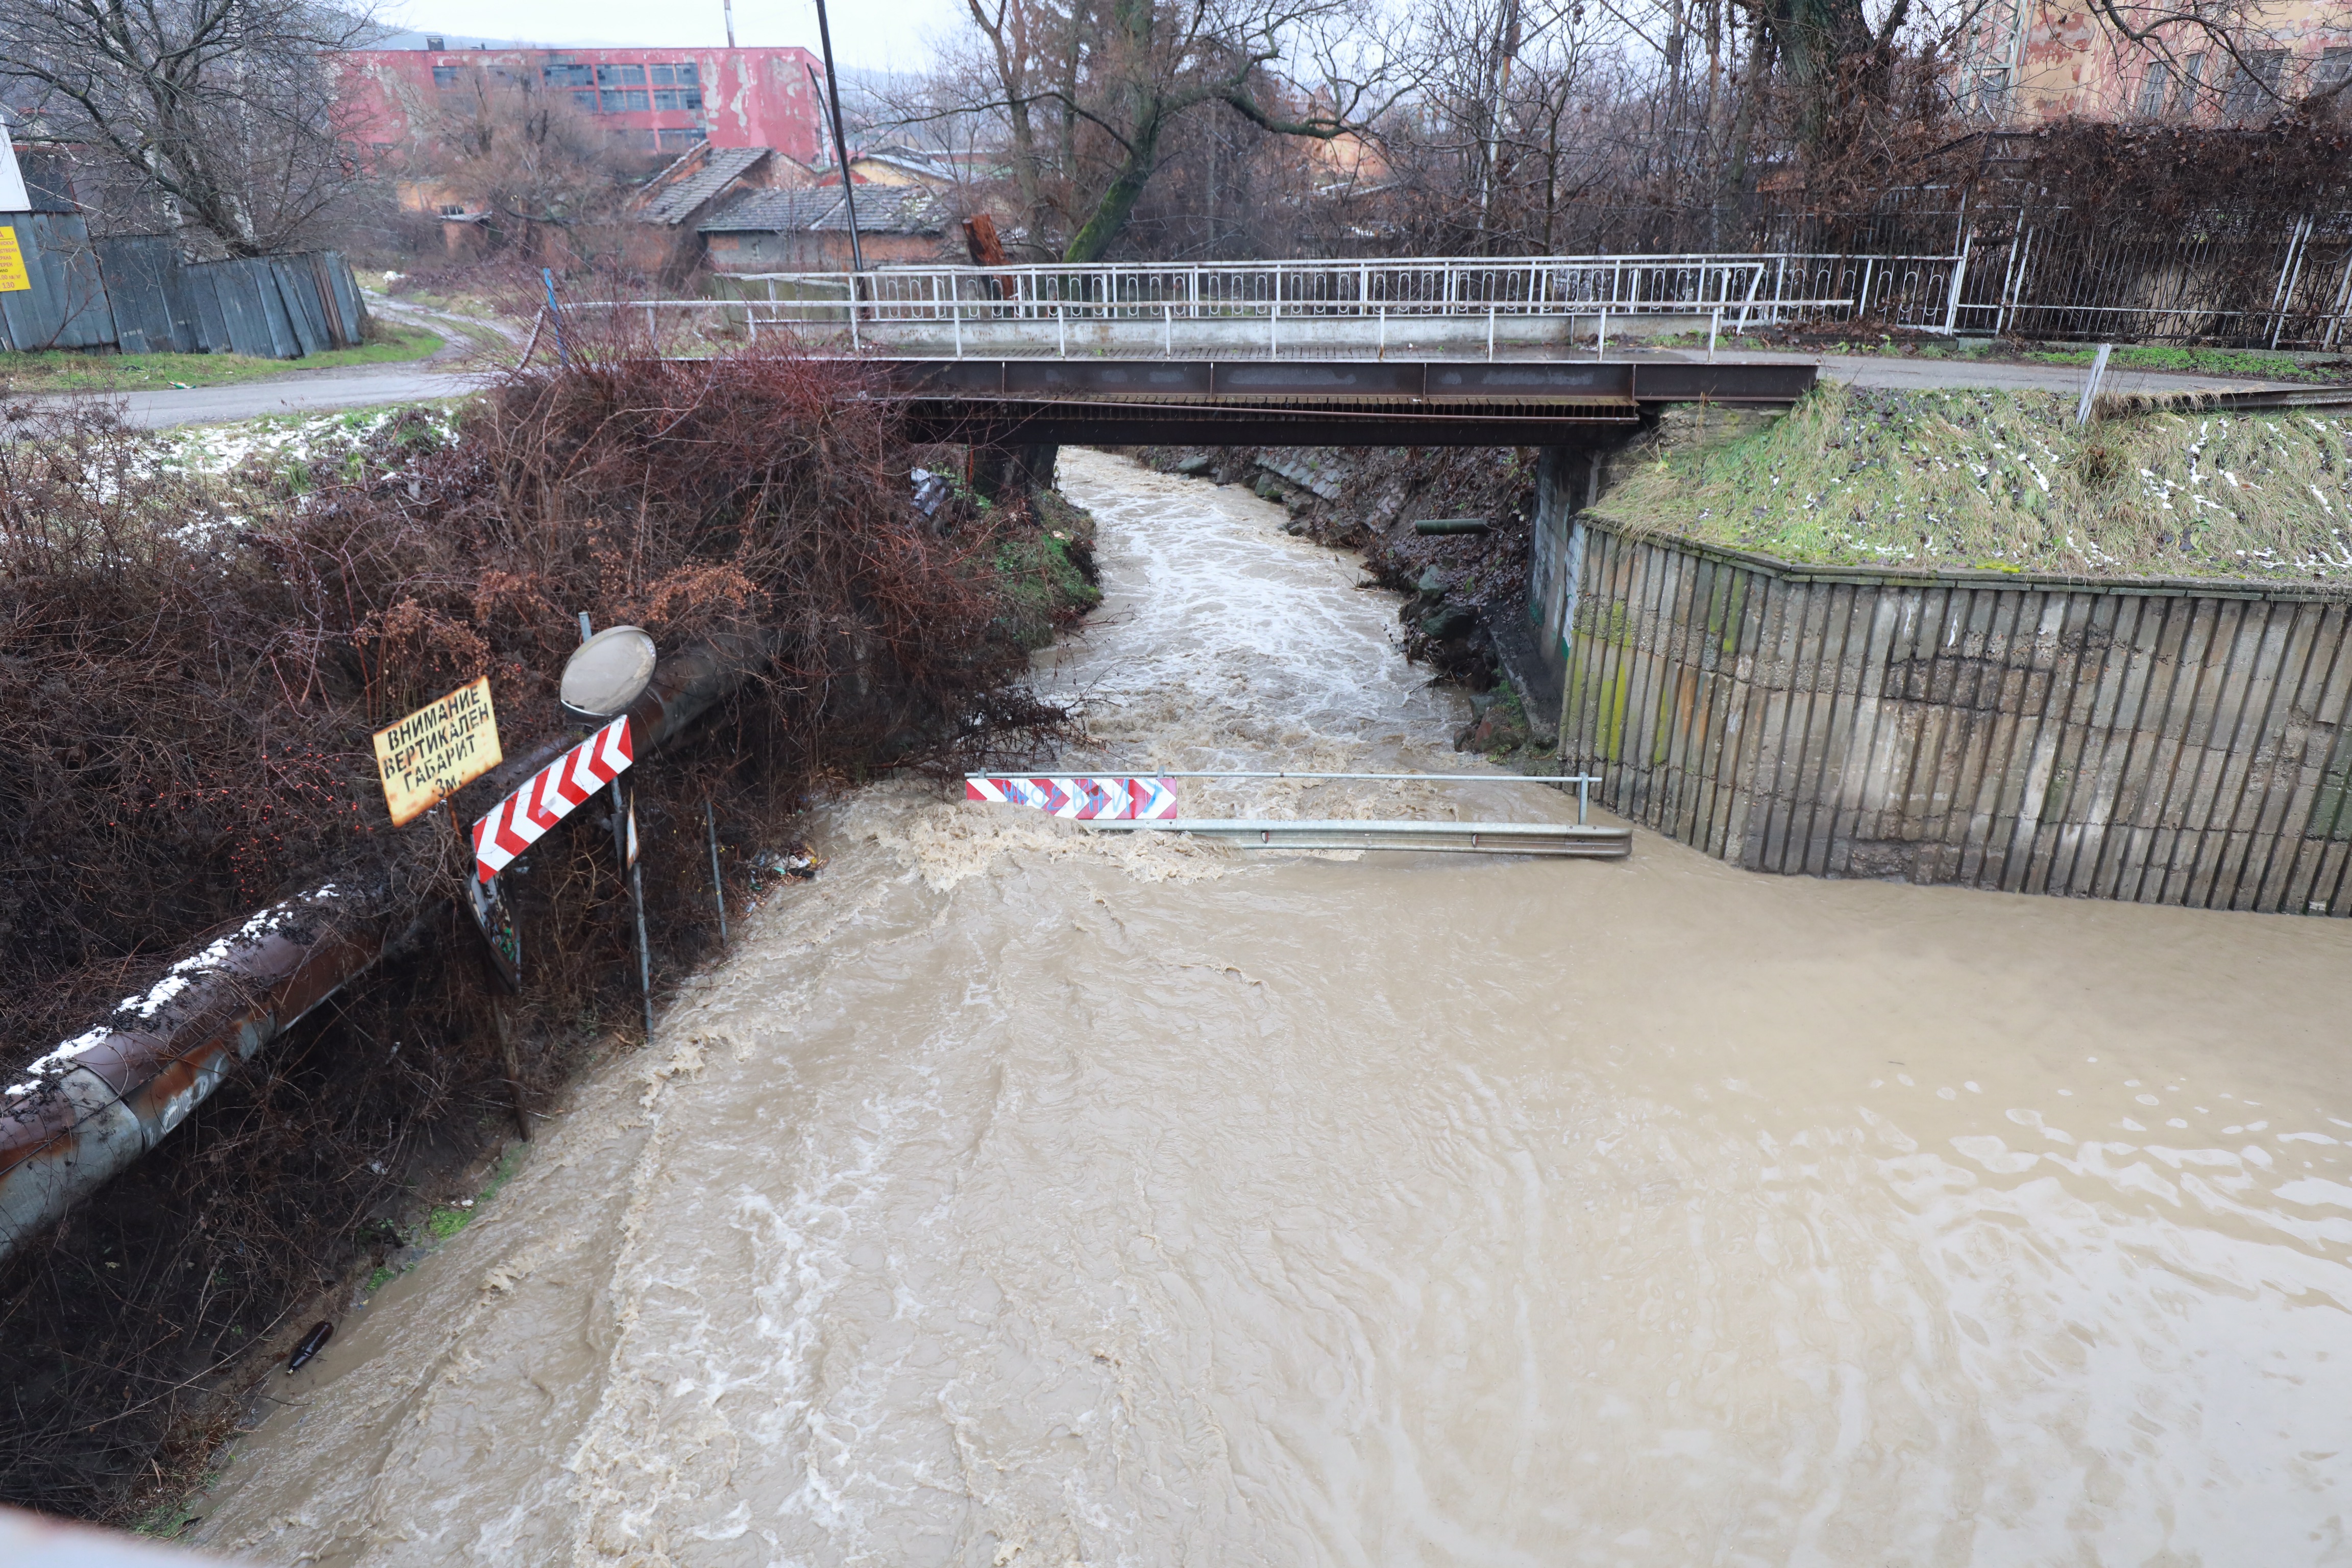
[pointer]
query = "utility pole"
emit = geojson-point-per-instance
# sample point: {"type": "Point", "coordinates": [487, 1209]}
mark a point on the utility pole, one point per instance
{"type": "Point", "coordinates": [840, 142]}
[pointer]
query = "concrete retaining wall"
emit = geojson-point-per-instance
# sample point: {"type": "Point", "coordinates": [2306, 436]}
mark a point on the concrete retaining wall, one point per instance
{"type": "Point", "coordinates": [2165, 741]}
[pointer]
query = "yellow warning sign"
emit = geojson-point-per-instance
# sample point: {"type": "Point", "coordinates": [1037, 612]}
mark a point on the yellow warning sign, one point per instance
{"type": "Point", "coordinates": [14, 279]}
{"type": "Point", "coordinates": [437, 751]}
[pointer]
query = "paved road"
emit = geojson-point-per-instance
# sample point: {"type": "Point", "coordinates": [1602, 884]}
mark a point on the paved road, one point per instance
{"type": "Point", "coordinates": [319, 391]}
{"type": "Point", "coordinates": [298, 392]}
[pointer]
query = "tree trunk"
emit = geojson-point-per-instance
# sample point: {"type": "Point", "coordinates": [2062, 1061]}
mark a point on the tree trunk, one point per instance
{"type": "Point", "coordinates": [1110, 214]}
{"type": "Point", "coordinates": [1734, 181]}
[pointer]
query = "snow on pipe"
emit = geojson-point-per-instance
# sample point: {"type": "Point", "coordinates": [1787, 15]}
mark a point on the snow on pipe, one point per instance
{"type": "Point", "coordinates": [88, 1109]}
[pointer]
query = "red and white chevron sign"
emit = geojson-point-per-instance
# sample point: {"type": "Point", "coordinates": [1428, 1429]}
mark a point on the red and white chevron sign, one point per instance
{"type": "Point", "coordinates": [1142, 800]}
{"type": "Point", "coordinates": [515, 823]}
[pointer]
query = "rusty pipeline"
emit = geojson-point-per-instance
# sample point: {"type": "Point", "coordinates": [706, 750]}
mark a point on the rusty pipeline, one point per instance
{"type": "Point", "coordinates": [88, 1109]}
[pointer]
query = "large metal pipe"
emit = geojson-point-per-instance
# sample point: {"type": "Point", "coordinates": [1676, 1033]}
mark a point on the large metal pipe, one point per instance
{"type": "Point", "coordinates": [97, 1102]}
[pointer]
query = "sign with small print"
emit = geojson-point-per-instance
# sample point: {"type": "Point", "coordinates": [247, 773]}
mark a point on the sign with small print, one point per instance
{"type": "Point", "coordinates": [437, 751]}
{"type": "Point", "coordinates": [14, 279]}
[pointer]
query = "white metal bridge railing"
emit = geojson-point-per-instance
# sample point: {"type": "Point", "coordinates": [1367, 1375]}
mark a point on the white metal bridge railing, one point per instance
{"type": "Point", "coordinates": [2289, 290]}
{"type": "Point", "coordinates": [1030, 303]}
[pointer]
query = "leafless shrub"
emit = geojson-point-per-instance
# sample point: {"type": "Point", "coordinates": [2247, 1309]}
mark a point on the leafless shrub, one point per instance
{"type": "Point", "coordinates": [189, 675]}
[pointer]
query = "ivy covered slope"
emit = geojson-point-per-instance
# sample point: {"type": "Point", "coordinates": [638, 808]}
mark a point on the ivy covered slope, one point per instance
{"type": "Point", "coordinates": [2006, 481]}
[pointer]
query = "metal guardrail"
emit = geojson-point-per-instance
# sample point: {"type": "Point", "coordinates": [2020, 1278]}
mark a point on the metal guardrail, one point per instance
{"type": "Point", "coordinates": [89, 1108]}
{"type": "Point", "coordinates": [1583, 782]}
{"type": "Point", "coordinates": [1577, 840]}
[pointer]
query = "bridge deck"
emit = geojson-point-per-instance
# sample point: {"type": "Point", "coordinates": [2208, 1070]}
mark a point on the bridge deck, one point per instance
{"type": "Point", "coordinates": [1320, 403]}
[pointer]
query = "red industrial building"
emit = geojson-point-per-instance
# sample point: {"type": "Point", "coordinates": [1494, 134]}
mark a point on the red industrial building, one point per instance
{"type": "Point", "coordinates": [653, 100]}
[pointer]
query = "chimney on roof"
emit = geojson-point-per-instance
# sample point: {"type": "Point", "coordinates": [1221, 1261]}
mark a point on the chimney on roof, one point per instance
{"type": "Point", "coordinates": [433, 42]}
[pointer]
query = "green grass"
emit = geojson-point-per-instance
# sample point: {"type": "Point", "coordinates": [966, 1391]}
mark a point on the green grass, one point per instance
{"type": "Point", "coordinates": [1045, 587]}
{"type": "Point", "coordinates": [65, 371]}
{"type": "Point", "coordinates": [445, 1221]}
{"type": "Point", "coordinates": [2257, 363]}
{"type": "Point", "coordinates": [168, 1521]}
{"type": "Point", "coordinates": [2005, 482]}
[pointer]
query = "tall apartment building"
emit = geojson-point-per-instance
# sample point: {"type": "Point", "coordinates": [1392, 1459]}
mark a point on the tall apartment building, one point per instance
{"type": "Point", "coordinates": [652, 100]}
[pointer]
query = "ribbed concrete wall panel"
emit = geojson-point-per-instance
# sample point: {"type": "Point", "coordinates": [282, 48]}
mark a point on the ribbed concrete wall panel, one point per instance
{"type": "Point", "coordinates": [2162, 742]}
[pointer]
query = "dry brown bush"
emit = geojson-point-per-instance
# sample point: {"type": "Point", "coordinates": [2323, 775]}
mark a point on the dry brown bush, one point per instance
{"type": "Point", "coordinates": [189, 678]}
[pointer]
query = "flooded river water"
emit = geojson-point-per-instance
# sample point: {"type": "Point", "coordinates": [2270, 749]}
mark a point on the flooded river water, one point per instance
{"type": "Point", "coordinates": [1017, 1197]}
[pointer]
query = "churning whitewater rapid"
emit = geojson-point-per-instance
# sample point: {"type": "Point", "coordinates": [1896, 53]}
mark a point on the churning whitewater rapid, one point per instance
{"type": "Point", "coordinates": [1013, 1196]}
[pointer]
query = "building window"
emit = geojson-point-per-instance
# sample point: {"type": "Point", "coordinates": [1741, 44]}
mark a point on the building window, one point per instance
{"type": "Point", "coordinates": [678, 139]}
{"type": "Point", "coordinates": [635, 141]}
{"type": "Point", "coordinates": [620, 101]}
{"type": "Point", "coordinates": [568, 76]}
{"type": "Point", "coordinates": [445, 76]}
{"type": "Point", "coordinates": [2332, 67]}
{"type": "Point", "coordinates": [677, 98]}
{"type": "Point", "coordinates": [620, 76]}
{"type": "Point", "coordinates": [2193, 75]}
{"type": "Point", "coordinates": [2253, 87]}
{"type": "Point", "coordinates": [2155, 89]}
{"type": "Point", "coordinates": [586, 101]}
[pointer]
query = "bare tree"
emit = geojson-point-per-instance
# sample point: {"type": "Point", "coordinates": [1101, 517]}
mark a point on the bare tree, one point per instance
{"type": "Point", "coordinates": [1089, 92]}
{"type": "Point", "coordinates": [530, 158]}
{"type": "Point", "coordinates": [226, 108]}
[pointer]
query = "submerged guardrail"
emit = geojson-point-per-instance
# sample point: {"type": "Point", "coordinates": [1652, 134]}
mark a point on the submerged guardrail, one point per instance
{"type": "Point", "coordinates": [1119, 802]}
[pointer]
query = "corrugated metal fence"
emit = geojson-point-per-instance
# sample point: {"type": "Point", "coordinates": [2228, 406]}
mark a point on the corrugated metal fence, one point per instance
{"type": "Point", "coordinates": [2159, 741]}
{"type": "Point", "coordinates": [134, 292]}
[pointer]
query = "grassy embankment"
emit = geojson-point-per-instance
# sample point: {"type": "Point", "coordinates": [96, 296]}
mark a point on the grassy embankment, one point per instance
{"type": "Point", "coordinates": [1049, 573]}
{"type": "Point", "coordinates": [2255, 365]}
{"type": "Point", "coordinates": [2006, 481]}
{"type": "Point", "coordinates": [65, 370]}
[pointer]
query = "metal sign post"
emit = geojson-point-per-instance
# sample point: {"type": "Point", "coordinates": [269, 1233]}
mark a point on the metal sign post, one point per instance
{"type": "Point", "coordinates": [638, 903]}
{"type": "Point", "coordinates": [562, 353]}
{"type": "Point", "coordinates": [625, 838]}
{"type": "Point", "coordinates": [718, 884]}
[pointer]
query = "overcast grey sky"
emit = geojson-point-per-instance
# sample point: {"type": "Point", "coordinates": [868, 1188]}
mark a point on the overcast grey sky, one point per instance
{"type": "Point", "coordinates": [878, 34]}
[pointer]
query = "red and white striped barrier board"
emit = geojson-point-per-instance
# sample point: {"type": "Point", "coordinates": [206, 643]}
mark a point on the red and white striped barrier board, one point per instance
{"type": "Point", "coordinates": [515, 823]}
{"type": "Point", "coordinates": [1083, 800]}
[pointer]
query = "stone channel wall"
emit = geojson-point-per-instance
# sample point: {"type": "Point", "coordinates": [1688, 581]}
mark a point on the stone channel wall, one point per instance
{"type": "Point", "coordinates": [2165, 741]}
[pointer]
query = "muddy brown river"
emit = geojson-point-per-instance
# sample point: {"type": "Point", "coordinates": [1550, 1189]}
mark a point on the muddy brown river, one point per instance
{"type": "Point", "coordinates": [1019, 1197]}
